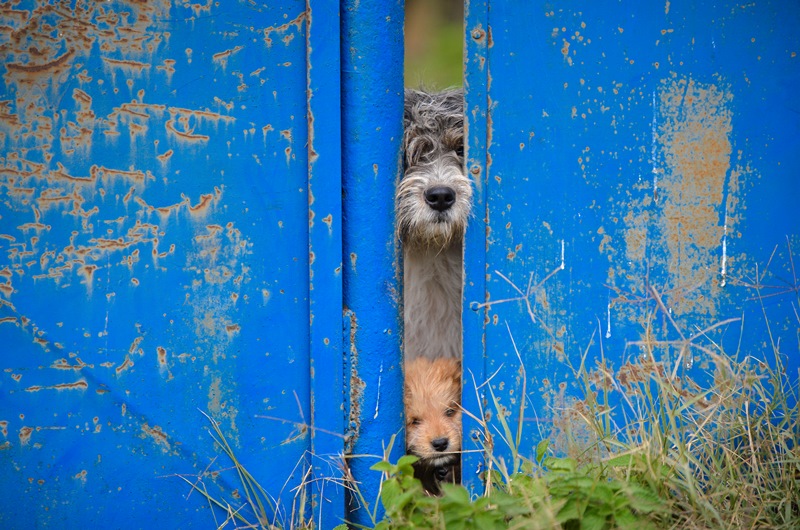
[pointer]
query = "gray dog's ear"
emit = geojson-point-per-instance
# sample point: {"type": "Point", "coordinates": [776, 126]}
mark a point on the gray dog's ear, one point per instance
{"type": "Point", "coordinates": [412, 97]}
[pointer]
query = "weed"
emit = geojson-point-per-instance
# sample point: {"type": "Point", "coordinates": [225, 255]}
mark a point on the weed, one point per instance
{"type": "Point", "coordinates": [250, 506]}
{"type": "Point", "coordinates": [663, 450]}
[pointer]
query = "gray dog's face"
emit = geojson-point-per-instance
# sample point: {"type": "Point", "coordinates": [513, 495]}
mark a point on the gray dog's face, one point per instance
{"type": "Point", "coordinates": [435, 196]}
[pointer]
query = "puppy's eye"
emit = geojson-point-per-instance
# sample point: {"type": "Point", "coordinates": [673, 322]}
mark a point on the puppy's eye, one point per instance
{"type": "Point", "coordinates": [460, 151]}
{"type": "Point", "coordinates": [415, 421]}
{"type": "Point", "coordinates": [450, 413]}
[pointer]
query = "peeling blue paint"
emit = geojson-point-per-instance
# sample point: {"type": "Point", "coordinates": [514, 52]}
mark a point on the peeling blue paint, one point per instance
{"type": "Point", "coordinates": [636, 167]}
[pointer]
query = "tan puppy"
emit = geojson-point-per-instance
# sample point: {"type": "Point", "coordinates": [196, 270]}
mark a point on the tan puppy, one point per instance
{"type": "Point", "coordinates": [432, 400]}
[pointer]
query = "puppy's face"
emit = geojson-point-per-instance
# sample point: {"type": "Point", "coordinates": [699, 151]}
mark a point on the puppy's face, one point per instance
{"type": "Point", "coordinates": [433, 415]}
{"type": "Point", "coordinates": [434, 199]}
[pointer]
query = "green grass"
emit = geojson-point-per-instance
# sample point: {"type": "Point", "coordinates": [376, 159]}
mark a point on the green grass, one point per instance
{"type": "Point", "coordinates": [722, 457]}
{"type": "Point", "coordinates": [725, 456]}
{"type": "Point", "coordinates": [674, 455]}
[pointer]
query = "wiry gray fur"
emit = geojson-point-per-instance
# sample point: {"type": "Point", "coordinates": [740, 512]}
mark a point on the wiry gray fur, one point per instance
{"type": "Point", "coordinates": [433, 239]}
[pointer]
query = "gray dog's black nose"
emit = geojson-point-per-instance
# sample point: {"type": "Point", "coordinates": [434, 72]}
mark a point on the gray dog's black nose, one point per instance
{"type": "Point", "coordinates": [440, 444]}
{"type": "Point", "coordinates": [440, 198]}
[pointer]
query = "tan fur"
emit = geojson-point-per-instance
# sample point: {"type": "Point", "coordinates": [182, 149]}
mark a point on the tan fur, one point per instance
{"type": "Point", "coordinates": [432, 400]}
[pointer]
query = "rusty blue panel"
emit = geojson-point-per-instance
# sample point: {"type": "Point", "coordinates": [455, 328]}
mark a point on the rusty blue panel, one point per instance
{"type": "Point", "coordinates": [639, 173]}
{"type": "Point", "coordinates": [154, 257]}
{"type": "Point", "coordinates": [372, 128]}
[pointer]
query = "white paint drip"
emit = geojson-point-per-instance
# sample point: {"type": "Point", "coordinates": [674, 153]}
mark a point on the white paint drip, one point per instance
{"type": "Point", "coordinates": [608, 317]}
{"type": "Point", "coordinates": [378, 398]}
{"type": "Point", "coordinates": [724, 252]}
{"type": "Point", "coordinates": [562, 254]}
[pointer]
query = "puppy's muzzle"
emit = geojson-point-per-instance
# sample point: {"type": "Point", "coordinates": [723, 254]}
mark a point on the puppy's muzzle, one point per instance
{"type": "Point", "coordinates": [440, 444]}
{"type": "Point", "coordinates": [440, 198]}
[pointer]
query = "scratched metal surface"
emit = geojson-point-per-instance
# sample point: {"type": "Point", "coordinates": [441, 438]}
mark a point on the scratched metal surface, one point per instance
{"type": "Point", "coordinates": [636, 165]}
{"type": "Point", "coordinates": [154, 256]}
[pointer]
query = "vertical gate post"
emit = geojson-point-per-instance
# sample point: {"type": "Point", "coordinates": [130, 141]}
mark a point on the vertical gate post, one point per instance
{"type": "Point", "coordinates": [372, 128]}
{"type": "Point", "coordinates": [325, 259]}
{"type": "Point", "coordinates": [476, 72]}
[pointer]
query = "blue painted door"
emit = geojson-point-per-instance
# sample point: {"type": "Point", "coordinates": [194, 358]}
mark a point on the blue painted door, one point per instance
{"type": "Point", "coordinates": [637, 176]}
{"type": "Point", "coordinates": [161, 193]}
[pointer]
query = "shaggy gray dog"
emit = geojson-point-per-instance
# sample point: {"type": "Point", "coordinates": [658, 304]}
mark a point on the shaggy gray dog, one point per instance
{"type": "Point", "coordinates": [433, 204]}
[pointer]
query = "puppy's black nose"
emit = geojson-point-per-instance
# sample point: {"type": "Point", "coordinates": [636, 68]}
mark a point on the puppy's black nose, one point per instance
{"type": "Point", "coordinates": [440, 198]}
{"type": "Point", "coordinates": [440, 444]}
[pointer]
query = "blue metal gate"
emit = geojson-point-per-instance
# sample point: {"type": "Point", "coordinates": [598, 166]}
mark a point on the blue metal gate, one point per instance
{"type": "Point", "coordinates": [637, 182]}
{"type": "Point", "coordinates": [196, 217]}
{"type": "Point", "coordinates": [171, 220]}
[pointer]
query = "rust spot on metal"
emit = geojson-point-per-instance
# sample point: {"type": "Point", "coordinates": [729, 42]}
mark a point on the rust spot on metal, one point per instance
{"type": "Point", "coordinates": [63, 364]}
{"type": "Point", "coordinates": [77, 385]}
{"type": "Point", "coordinates": [297, 22]}
{"type": "Point", "coordinates": [695, 136]}
{"type": "Point", "coordinates": [222, 57]}
{"type": "Point", "coordinates": [102, 172]}
{"type": "Point", "coordinates": [162, 356]}
{"type": "Point", "coordinates": [170, 126]}
{"type": "Point", "coordinates": [157, 435]}
{"type": "Point", "coordinates": [25, 435]}
{"type": "Point", "coordinates": [127, 363]}
{"type": "Point", "coordinates": [205, 200]}
{"type": "Point", "coordinates": [39, 68]}
{"type": "Point", "coordinates": [357, 384]}
{"type": "Point", "coordinates": [135, 346]}
{"type": "Point", "coordinates": [686, 210]}
{"type": "Point", "coordinates": [126, 64]}
{"type": "Point", "coordinates": [87, 271]}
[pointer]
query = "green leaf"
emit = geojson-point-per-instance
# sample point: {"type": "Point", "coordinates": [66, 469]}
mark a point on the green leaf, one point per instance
{"type": "Point", "coordinates": [559, 464]}
{"type": "Point", "coordinates": [644, 501]}
{"type": "Point", "coordinates": [570, 511]}
{"type": "Point", "coordinates": [541, 450]}
{"type": "Point", "coordinates": [603, 493]}
{"type": "Point", "coordinates": [383, 465]}
{"type": "Point", "coordinates": [407, 460]}
{"type": "Point", "coordinates": [593, 522]}
{"type": "Point", "coordinates": [455, 494]}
